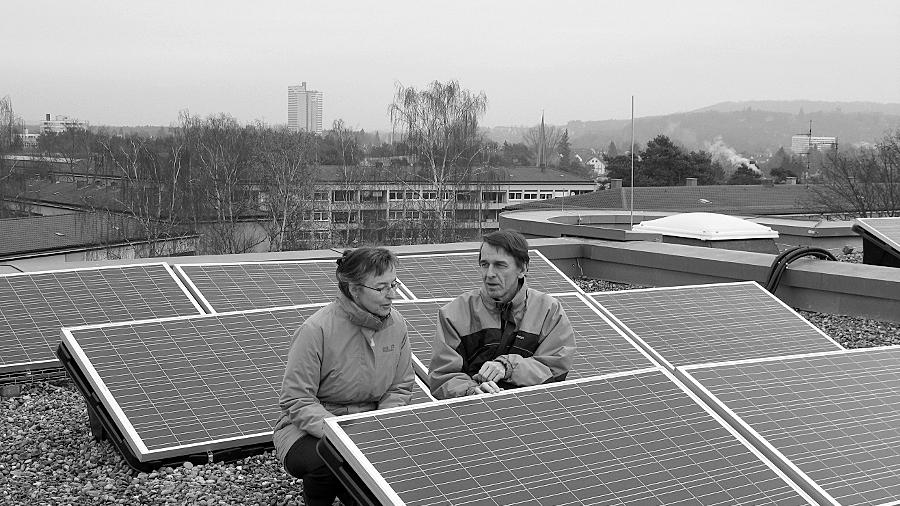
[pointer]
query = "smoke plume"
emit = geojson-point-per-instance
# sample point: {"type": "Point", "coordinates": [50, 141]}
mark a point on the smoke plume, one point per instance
{"type": "Point", "coordinates": [728, 157]}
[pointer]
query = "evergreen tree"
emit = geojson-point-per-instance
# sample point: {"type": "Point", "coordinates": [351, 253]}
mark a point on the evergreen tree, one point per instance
{"type": "Point", "coordinates": [745, 175]}
{"type": "Point", "coordinates": [564, 150]}
{"type": "Point", "coordinates": [612, 151]}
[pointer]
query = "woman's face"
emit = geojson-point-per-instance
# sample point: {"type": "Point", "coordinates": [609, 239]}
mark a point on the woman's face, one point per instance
{"type": "Point", "coordinates": [375, 294]}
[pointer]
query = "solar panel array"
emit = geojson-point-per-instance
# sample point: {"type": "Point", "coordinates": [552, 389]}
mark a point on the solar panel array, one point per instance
{"type": "Point", "coordinates": [449, 275]}
{"type": "Point", "coordinates": [630, 439]}
{"type": "Point", "coordinates": [713, 323]}
{"type": "Point", "coordinates": [258, 285]}
{"type": "Point", "coordinates": [832, 416]}
{"type": "Point", "coordinates": [885, 229]}
{"type": "Point", "coordinates": [177, 383]}
{"type": "Point", "coordinates": [33, 306]}
{"type": "Point", "coordinates": [183, 384]}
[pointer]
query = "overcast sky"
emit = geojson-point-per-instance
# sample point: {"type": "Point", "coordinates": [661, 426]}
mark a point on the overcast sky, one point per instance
{"type": "Point", "coordinates": [137, 63]}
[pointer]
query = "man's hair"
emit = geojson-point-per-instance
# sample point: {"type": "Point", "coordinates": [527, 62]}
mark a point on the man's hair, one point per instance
{"type": "Point", "coordinates": [355, 265]}
{"type": "Point", "coordinates": [510, 241]}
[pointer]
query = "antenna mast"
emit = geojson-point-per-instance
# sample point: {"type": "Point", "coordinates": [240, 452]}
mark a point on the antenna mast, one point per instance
{"type": "Point", "coordinates": [632, 161]}
{"type": "Point", "coordinates": [808, 149]}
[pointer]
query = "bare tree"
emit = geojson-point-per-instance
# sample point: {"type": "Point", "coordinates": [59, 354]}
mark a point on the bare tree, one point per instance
{"type": "Point", "coordinates": [440, 126]}
{"type": "Point", "coordinates": [861, 183]}
{"type": "Point", "coordinates": [351, 175]}
{"type": "Point", "coordinates": [287, 176]}
{"type": "Point", "coordinates": [225, 203]}
{"type": "Point", "coordinates": [151, 201]}
{"type": "Point", "coordinates": [12, 183]}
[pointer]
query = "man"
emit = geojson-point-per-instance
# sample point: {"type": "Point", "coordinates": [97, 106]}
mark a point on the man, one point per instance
{"type": "Point", "coordinates": [503, 335]}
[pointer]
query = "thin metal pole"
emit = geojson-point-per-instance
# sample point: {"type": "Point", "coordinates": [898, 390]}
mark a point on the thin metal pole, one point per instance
{"type": "Point", "coordinates": [632, 161]}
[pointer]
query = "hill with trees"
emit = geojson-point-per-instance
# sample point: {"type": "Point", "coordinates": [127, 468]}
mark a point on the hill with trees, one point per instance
{"type": "Point", "coordinates": [752, 128]}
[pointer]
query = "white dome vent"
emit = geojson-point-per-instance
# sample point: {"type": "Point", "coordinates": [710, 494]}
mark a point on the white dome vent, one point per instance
{"type": "Point", "coordinates": [706, 227]}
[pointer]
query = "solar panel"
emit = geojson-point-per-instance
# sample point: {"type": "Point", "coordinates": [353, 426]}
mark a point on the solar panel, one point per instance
{"type": "Point", "coordinates": [421, 321]}
{"type": "Point", "coordinates": [829, 418]}
{"type": "Point", "coordinates": [420, 393]}
{"type": "Point", "coordinates": [632, 438]}
{"type": "Point", "coordinates": [34, 305]}
{"type": "Point", "coordinates": [601, 347]}
{"type": "Point", "coordinates": [712, 323]}
{"type": "Point", "coordinates": [881, 240]}
{"type": "Point", "coordinates": [886, 229]}
{"type": "Point", "coordinates": [449, 275]}
{"type": "Point", "coordinates": [226, 287]}
{"type": "Point", "coordinates": [180, 386]}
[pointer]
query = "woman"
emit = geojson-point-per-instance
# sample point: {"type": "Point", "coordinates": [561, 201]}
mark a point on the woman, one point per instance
{"type": "Point", "coordinates": [351, 356]}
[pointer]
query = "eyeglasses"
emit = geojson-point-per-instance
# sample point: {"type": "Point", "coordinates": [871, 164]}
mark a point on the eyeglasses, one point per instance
{"type": "Point", "coordinates": [394, 285]}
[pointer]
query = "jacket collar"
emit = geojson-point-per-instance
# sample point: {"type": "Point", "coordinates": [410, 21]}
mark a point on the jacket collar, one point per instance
{"type": "Point", "coordinates": [361, 317]}
{"type": "Point", "coordinates": [517, 303]}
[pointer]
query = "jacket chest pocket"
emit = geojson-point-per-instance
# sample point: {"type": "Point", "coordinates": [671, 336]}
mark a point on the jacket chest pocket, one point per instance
{"type": "Point", "coordinates": [387, 355]}
{"type": "Point", "coordinates": [524, 344]}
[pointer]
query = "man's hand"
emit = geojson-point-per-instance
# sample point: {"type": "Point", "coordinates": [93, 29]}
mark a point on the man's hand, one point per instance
{"type": "Point", "coordinates": [488, 387]}
{"type": "Point", "coordinates": [492, 371]}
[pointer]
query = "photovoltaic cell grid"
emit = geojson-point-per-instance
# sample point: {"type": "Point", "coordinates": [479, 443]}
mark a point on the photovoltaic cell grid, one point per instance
{"type": "Point", "coordinates": [600, 347]}
{"type": "Point", "coordinates": [440, 276]}
{"type": "Point", "coordinates": [632, 439]}
{"type": "Point", "coordinates": [713, 323]}
{"type": "Point", "coordinates": [191, 381]}
{"type": "Point", "coordinates": [885, 229]}
{"type": "Point", "coordinates": [33, 306]}
{"type": "Point", "coordinates": [176, 384]}
{"type": "Point", "coordinates": [421, 322]}
{"type": "Point", "coordinates": [259, 285]}
{"type": "Point", "coordinates": [834, 416]}
{"type": "Point", "coordinates": [420, 393]}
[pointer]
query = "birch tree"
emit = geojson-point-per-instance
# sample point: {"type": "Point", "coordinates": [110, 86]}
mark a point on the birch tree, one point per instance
{"type": "Point", "coordinates": [152, 201]}
{"type": "Point", "coordinates": [12, 184]}
{"type": "Point", "coordinates": [439, 123]}
{"type": "Point", "coordinates": [287, 176]}
{"type": "Point", "coordinates": [222, 178]}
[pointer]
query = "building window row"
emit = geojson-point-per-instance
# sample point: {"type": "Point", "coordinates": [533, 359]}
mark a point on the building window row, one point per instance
{"type": "Point", "coordinates": [496, 197]}
{"type": "Point", "coordinates": [542, 194]}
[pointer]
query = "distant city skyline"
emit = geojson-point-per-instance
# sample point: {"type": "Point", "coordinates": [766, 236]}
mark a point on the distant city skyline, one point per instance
{"type": "Point", "coordinates": [130, 64]}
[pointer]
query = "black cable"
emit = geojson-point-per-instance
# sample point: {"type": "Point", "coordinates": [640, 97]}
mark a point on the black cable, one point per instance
{"type": "Point", "coordinates": [779, 260]}
{"type": "Point", "coordinates": [776, 271]}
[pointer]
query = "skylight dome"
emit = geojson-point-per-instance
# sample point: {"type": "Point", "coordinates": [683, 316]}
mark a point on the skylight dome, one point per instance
{"type": "Point", "coordinates": [706, 227]}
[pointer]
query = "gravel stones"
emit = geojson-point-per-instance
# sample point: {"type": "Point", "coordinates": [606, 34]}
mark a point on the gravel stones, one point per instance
{"type": "Point", "coordinates": [48, 456]}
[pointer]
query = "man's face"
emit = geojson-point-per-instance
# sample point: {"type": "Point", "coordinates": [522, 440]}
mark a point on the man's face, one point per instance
{"type": "Point", "coordinates": [499, 273]}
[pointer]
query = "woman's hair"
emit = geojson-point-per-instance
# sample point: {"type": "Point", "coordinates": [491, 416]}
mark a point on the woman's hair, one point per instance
{"type": "Point", "coordinates": [355, 265]}
{"type": "Point", "coordinates": [511, 242]}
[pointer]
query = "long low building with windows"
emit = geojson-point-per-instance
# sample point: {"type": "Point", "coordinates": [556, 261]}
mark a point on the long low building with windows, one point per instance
{"type": "Point", "coordinates": [340, 205]}
{"type": "Point", "coordinates": [398, 203]}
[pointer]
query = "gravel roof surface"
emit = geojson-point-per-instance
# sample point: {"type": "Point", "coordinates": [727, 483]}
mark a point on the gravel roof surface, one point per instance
{"type": "Point", "coordinates": [48, 456]}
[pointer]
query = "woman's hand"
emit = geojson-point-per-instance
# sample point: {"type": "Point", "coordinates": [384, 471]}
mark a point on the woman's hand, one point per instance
{"type": "Point", "coordinates": [488, 387]}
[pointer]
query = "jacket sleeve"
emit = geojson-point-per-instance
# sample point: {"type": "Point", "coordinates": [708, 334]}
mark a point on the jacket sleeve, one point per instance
{"type": "Point", "coordinates": [400, 391]}
{"type": "Point", "coordinates": [300, 386]}
{"type": "Point", "coordinates": [553, 356]}
{"type": "Point", "coordinates": [445, 376]}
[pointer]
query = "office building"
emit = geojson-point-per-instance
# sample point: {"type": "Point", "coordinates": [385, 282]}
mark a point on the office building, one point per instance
{"type": "Point", "coordinates": [59, 123]}
{"type": "Point", "coordinates": [802, 144]}
{"type": "Point", "coordinates": [304, 109]}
